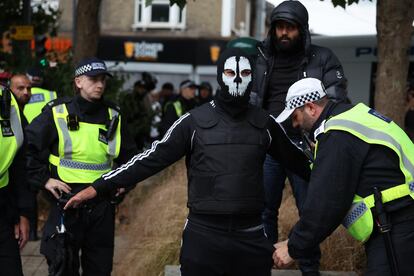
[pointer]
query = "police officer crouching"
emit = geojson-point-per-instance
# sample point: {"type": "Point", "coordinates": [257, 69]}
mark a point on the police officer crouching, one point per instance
{"type": "Point", "coordinates": [363, 175]}
{"type": "Point", "coordinates": [70, 144]}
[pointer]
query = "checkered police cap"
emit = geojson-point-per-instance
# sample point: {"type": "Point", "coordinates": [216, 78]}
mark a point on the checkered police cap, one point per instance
{"type": "Point", "coordinates": [301, 92]}
{"type": "Point", "coordinates": [91, 67]}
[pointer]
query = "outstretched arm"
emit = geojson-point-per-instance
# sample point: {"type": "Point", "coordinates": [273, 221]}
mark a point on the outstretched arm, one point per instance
{"type": "Point", "coordinates": [173, 146]}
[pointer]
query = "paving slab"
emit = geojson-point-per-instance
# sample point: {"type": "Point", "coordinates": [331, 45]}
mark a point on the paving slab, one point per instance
{"type": "Point", "coordinates": [174, 270]}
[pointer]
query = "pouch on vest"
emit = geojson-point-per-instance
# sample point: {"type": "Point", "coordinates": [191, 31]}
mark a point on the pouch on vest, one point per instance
{"type": "Point", "coordinates": [359, 220]}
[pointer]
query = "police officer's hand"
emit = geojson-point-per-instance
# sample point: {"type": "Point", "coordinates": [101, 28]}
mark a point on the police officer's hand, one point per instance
{"type": "Point", "coordinates": [281, 256]}
{"type": "Point", "coordinates": [80, 197]}
{"type": "Point", "coordinates": [56, 187]}
{"type": "Point", "coordinates": [21, 231]}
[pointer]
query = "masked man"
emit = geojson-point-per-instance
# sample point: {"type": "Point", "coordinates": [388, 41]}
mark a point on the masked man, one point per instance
{"type": "Point", "coordinates": [225, 143]}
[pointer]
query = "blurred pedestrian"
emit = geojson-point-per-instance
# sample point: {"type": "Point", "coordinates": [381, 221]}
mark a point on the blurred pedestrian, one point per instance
{"type": "Point", "coordinates": [205, 92]}
{"type": "Point", "coordinates": [70, 144]}
{"type": "Point", "coordinates": [40, 97]}
{"type": "Point", "coordinates": [184, 102]}
{"type": "Point", "coordinates": [16, 201]}
{"type": "Point", "coordinates": [137, 110]}
{"type": "Point", "coordinates": [166, 94]}
{"type": "Point", "coordinates": [363, 175]}
{"type": "Point", "coordinates": [157, 116]}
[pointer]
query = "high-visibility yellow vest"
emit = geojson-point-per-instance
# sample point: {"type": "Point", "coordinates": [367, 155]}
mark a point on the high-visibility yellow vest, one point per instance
{"type": "Point", "coordinates": [177, 106]}
{"type": "Point", "coordinates": [84, 154]}
{"type": "Point", "coordinates": [40, 97]}
{"type": "Point", "coordinates": [373, 128]}
{"type": "Point", "coordinates": [11, 138]}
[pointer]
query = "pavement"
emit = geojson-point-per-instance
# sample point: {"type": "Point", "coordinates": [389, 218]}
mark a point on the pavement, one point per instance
{"type": "Point", "coordinates": [174, 270]}
{"type": "Point", "coordinates": [35, 264]}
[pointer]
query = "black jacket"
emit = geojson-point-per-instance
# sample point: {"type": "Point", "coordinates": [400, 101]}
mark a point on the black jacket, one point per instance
{"type": "Point", "coordinates": [334, 183]}
{"type": "Point", "coordinates": [318, 62]}
{"type": "Point", "coordinates": [42, 137]}
{"type": "Point", "coordinates": [178, 142]}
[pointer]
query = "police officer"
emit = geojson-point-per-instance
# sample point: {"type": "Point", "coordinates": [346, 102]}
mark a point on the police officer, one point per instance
{"type": "Point", "coordinates": [40, 97]}
{"type": "Point", "coordinates": [21, 87]}
{"type": "Point", "coordinates": [225, 142]}
{"type": "Point", "coordinates": [70, 144]}
{"type": "Point", "coordinates": [16, 202]}
{"type": "Point", "coordinates": [177, 107]}
{"type": "Point", "coordinates": [363, 175]}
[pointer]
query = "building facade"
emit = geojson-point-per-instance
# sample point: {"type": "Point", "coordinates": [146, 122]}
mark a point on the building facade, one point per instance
{"type": "Point", "coordinates": [171, 43]}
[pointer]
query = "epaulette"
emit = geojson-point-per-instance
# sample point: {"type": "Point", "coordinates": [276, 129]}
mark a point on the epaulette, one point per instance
{"type": "Point", "coordinates": [112, 105]}
{"type": "Point", "coordinates": [58, 101]}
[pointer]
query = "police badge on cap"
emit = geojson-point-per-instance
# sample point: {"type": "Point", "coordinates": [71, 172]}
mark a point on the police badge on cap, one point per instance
{"type": "Point", "coordinates": [91, 67]}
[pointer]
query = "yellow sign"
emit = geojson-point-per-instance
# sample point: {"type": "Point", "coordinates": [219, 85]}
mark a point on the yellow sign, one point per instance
{"type": "Point", "coordinates": [22, 32]}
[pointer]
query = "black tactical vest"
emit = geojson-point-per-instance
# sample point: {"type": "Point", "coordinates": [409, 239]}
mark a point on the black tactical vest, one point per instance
{"type": "Point", "coordinates": [225, 168]}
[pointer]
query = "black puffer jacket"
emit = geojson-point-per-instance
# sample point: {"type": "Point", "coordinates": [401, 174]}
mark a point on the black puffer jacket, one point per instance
{"type": "Point", "coordinates": [319, 62]}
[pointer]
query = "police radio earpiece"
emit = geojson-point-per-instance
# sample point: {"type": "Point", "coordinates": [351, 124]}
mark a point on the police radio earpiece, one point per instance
{"type": "Point", "coordinates": [113, 124]}
{"type": "Point", "coordinates": [5, 101]}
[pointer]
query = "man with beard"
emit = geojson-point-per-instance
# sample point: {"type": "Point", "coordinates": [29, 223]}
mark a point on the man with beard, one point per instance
{"type": "Point", "coordinates": [225, 143]}
{"type": "Point", "coordinates": [286, 56]}
{"type": "Point", "coordinates": [21, 87]}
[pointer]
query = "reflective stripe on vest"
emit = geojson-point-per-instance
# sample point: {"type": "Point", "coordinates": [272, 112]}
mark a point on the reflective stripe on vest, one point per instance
{"type": "Point", "coordinates": [40, 97]}
{"type": "Point", "coordinates": [84, 154]}
{"type": "Point", "coordinates": [373, 128]}
{"type": "Point", "coordinates": [11, 138]}
{"type": "Point", "coordinates": [177, 106]}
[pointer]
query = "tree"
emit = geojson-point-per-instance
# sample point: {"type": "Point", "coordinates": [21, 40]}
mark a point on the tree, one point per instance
{"type": "Point", "coordinates": [87, 29]}
{"type": "Point", "coordinates": [44, 20]}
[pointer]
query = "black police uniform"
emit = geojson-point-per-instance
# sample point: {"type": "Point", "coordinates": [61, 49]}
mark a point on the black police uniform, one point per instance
{"type": "Point", "coordinates": [346, 166]}
{"type": "Point", "coordinates": [91, 228]}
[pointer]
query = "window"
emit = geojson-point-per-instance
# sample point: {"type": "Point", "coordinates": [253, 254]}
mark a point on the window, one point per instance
{"type": "Point", "coordinates": [159, 15]}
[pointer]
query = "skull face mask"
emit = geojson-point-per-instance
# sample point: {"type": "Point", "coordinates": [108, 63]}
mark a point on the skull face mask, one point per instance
{"type": "Point", "coordinates": [237, 75]}
{"type": "Point", "coordinates": [234, 75]}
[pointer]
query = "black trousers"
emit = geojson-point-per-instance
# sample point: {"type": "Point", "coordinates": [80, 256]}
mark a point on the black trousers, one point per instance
{"type": "Point", "coordinates": [403, 240]}
{"type": "Point", "coordinates": [90, 230]}
{"type": "Point", "coordinates": [210, 252]}
{"type": "Point", "coordinates": [10, 262]}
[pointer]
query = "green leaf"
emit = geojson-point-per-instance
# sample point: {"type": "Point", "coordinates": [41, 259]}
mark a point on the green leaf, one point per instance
{"type": "Point", "coordinates": [341, 3]}
{"type": "Point", "coordinates": [350, 2]}
{"type": "Point", "coordinates": [148, 3]}
{"type": "Point", "coordinates": [180, 3]}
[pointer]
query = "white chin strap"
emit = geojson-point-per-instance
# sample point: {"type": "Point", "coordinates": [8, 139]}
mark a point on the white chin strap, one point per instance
{"type": "Point", "coordinates": [237, 84]}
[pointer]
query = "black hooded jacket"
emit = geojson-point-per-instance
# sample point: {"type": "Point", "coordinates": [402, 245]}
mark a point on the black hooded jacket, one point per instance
{"type": "Point", "coordinates": [318, 62]}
